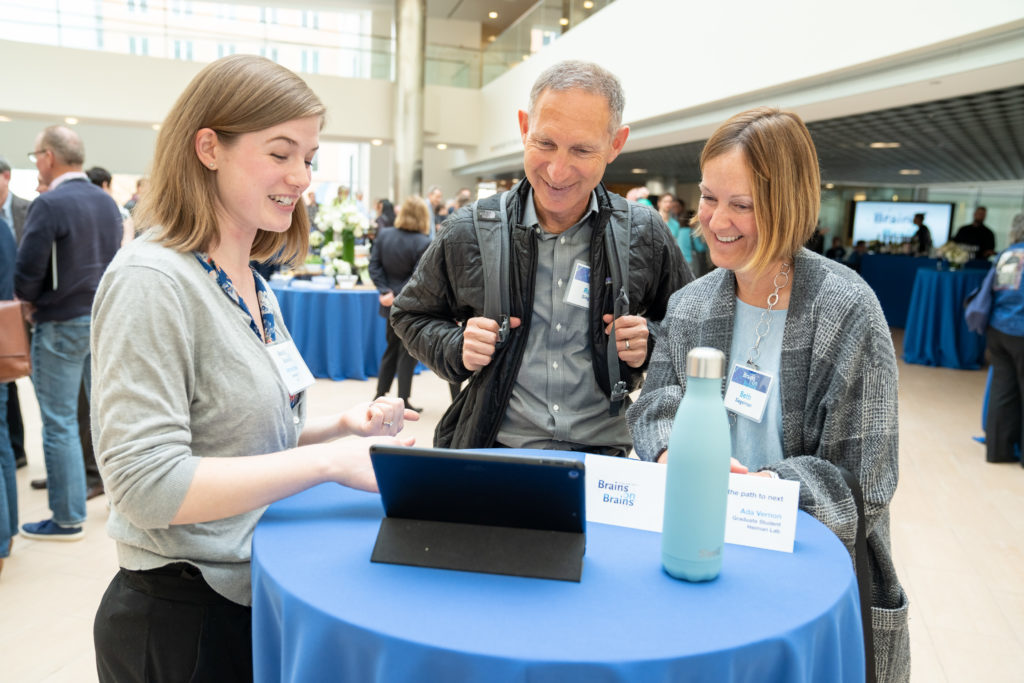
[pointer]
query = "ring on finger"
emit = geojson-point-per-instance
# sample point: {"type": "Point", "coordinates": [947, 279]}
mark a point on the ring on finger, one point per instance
{"type": "Point", "coordinates": [387, 424]}
{"type": "Point", "coordinates": [627, 345]}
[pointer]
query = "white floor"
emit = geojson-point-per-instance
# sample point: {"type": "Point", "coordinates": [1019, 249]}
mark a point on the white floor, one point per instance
{"type": "Point", "coordinates": [958, 539]}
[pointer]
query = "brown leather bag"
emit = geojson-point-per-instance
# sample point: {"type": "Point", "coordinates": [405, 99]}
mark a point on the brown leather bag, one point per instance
{"type": "Point", "coordinates": [15, 358]}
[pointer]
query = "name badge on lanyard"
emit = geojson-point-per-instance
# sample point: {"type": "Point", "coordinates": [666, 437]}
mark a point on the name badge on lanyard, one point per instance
{"type": "Point", "coordinates": [747, 392]}
{"type": "Point", "coordinates": [290, 366]}
{"type": "Point", "coordinates": [578, 291]}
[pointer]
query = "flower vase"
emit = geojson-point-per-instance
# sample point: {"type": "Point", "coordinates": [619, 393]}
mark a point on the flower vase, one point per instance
{"type": "Point", "coordinates": [348, 246]}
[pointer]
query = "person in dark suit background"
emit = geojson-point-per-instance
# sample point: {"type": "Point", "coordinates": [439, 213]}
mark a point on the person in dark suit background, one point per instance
{"type": "Point", "coordinates": [977, 235]}
{"type": "Point", "coordinates": [922, 239]}
{"type": "Point", "coordinates": [394, 256]}
{"type": "Point", "coordinates": [71, 233]}
{"type": "Point", "coordinates": [13, 210]}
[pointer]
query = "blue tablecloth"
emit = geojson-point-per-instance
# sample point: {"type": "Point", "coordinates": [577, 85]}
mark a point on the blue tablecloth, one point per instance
{"type": "Point", "coordinates": [936, 333]}
{"type": "Point", "coordinates": [323, 611]}
{"type": "Point", "coordinates": [338, 331]}
{"type": "Point", "coordinates": [891, 276]}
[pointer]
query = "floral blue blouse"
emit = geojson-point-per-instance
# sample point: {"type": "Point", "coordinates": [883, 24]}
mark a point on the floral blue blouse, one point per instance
{"type": "Point", "coordinates": [266, 312]}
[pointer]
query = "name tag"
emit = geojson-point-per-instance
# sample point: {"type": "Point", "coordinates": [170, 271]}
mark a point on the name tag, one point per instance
{"type": "Point", "coordinates": [747, 392]}
{"type": "Point", "coordinates": [761, 512]}
{"type": "Point", "coordinates": [290, 366]}
{"type": "Point", "coordinates": [578, 291]}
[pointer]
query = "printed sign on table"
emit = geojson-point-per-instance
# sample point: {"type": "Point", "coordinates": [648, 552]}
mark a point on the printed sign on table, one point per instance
{"type": "Point", "coordinates": [760, 513]}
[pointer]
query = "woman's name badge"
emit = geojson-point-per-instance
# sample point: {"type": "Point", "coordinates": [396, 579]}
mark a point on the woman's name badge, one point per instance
{"type": "Point", "coordinates": [578, 291]}
{"type": "Point", "coordinates": [290, 366]}
{"type": "Point", "coordinates": [747, 392]}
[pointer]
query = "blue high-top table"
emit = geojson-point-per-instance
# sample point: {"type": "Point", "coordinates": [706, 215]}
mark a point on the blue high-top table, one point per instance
{"type": "Point", "coordinates": [338, 332]}
{"type": "Point", "coordinates": [936, 333]}
{"type": "Point", "coordinates": [322, 611]}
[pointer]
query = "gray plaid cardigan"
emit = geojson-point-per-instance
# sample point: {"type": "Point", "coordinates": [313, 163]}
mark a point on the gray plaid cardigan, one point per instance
{"type": "Point", "coordinates": [838, 382]}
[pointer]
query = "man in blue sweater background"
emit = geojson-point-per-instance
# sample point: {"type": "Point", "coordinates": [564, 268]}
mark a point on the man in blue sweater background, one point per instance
{"type": "Point", "coordinates": [71, 233]}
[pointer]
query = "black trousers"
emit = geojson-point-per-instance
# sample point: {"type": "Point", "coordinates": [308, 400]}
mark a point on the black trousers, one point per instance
{"type": "Point", "coordinates": [92, 472]}
{"type": "Point", "coordinates": [168, 625]}
{"type": "Point", "coordinates": [395, 358]}
{"type": "Point", "coordinates": [14, 423]}
{"type": "Point", "coordinates": [1005, 404]}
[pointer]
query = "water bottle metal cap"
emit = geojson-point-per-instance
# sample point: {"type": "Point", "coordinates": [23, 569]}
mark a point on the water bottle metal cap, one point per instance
{"type": "Point", "coordinates": [705, 362]}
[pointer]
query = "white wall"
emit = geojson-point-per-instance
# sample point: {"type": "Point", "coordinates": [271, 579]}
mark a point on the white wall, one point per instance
{"type": "Point", "coordinates": [819, 59]}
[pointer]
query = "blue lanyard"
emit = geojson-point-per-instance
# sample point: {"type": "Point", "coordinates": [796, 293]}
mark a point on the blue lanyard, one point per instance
{"type": "Point", "coordinates": [266, 313]}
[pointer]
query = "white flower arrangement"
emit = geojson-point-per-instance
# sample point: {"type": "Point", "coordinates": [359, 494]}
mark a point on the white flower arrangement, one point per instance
{"type": "Point", "coordinates": [362, 256]}
{"type": "Point", "coordinates": [341, 218]}
{"type": "Point", "coordinates": [316, 239]}
{"type": "Point", "coordinates": [330, 251]}
{"type": "Point", "coordinates": [954, 253]}
{"type": "Point", "coordinates": [342, 267]}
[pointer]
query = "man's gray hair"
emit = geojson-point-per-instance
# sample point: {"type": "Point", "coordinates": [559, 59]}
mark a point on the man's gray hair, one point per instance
{"type": "Point", "coordinates": [4, 166]}
{"type": "Point", "coordinates": [65, 143]}
{"type": "Point", "coordinates": [1017, 229]}
{"type": "Point", "coordinates": [574, 74]}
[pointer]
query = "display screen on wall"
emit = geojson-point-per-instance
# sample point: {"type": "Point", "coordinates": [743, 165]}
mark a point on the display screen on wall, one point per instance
{"type": "Point", "coordinates": [894, 221]}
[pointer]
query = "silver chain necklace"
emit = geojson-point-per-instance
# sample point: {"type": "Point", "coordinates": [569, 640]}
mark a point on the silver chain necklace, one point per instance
{"type": "Point", "coordinates": [765, 323]}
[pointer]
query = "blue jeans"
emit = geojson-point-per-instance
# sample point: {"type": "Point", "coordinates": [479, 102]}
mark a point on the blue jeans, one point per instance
{"type": "Point", "coordinates": [8, 485]}
{"type": "Point", "coordinates": [60, 361]}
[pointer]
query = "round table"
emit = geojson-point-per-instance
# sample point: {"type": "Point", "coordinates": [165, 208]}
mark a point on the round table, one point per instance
{"type": "Point", "coordinates": [339, 332]}
{"type": "Point", "coordinates": [323, 611]}
{"type": "Point", "coordinates": [936, 333]}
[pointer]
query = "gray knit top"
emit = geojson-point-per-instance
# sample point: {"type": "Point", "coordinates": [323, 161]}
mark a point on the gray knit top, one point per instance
{"type": "Point", "coordinates": [178, 375]}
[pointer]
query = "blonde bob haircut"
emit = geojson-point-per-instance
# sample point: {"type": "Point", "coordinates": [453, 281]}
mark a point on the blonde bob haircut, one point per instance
{"type": "Point", "coordinates": [784, 180]}
{"type": "Point", "coordinates": [413, 215]}
{"type": "Point", "coordinates": [233, 96]}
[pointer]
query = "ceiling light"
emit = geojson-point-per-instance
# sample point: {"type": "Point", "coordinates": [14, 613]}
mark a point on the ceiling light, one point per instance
{"type": "Point", "coordinates": [492, 15]}
{"type": "Point", "coordinates": [491, 39]}
{"type": "Point", "coordinates": [829, 186]}
{"type": "Point", "coordinates": [860, 196]}
{"type": "Point", "coordinates": [5, 119]}
{"type": "Point", "coordinates": [525, 57]}
{"type": "Point", "coordinates": [639, 171]}
{"type": "Point", "coordinates": [895, 197]}
{"type": "Point", "coordinates": [910, 171]}
{"type": "Point", "coordinates": [884, 145]}
{"type": "Point", "coordinates": [155, 126]}
{"type": "Point", "coordinates": [589, 4]}
{"type": "Point", "coordinates": [442, 146]}
{"type": "Point", "coordinates": [376, 142]}
{"type": "Point", "coordinates": [564, 21]}
{"type": "Point", "coordinates": [70, 120]}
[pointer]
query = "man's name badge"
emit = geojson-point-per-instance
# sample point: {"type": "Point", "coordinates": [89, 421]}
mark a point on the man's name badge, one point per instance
{"type": "Point", "coordinates": [578, 291]}
{"type": "Point", "coordinates": [290, 366]}
{"type": "Point", "coordinates": [747, 392]}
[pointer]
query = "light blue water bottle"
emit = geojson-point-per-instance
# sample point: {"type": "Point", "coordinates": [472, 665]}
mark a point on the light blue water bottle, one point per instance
{"type": "Point", "coordinates": [697, 481]}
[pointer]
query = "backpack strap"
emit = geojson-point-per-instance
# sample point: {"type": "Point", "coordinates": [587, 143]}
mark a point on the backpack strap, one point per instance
{"type": "Point", "coordinates": [490, 221]}
{"type": "Point", "coordinates": [617, 248]}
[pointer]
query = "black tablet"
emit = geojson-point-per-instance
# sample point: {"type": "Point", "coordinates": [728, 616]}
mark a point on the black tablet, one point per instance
{"type": "Point", "coordinates": [496, 512]}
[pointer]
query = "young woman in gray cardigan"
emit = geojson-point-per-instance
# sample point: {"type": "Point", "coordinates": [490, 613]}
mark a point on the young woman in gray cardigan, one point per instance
{"type": "Point", "coordinates": [810, 324]}
{"type": "Point", "coordinates": [198, 423]}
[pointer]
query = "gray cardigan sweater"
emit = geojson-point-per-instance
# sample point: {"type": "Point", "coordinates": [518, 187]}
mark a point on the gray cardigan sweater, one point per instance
{"type": "Point", "coordinates": [178, 375]}
{"type": "Point", "coordinates": [838, 383]}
